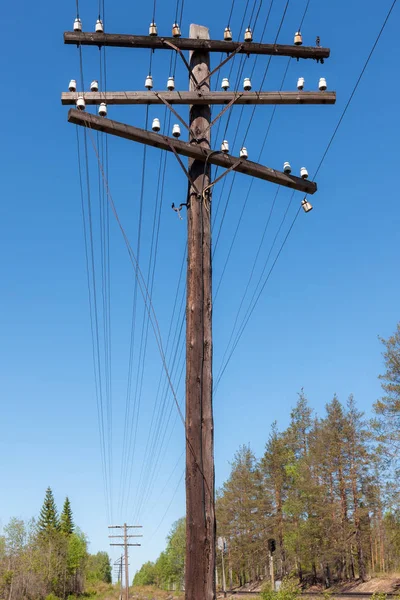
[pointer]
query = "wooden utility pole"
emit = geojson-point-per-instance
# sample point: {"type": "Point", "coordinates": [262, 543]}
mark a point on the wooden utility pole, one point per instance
{"type": "Point", "coordinates": [199, 430]}
{"type": "Point", "coordinates": [126, 563]}
{"type": "Point", "coordinates": [125, 545]}
{"type": "Point", "coordinates": [200, 514]}
{"type": "Point", "coordinates": [119, 563]}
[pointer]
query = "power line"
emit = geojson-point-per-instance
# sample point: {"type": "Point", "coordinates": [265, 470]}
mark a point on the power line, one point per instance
{"type": "Point", "coordinates": [356, 85]}
{"type": "Point", "coordinates": [247, 318]}
{"type": "Point", "coordinates": [100, 421]}
{"type": "Point", "coordinates": [244, 324]}
{"type": "Point", "coordinates": [304, 15]}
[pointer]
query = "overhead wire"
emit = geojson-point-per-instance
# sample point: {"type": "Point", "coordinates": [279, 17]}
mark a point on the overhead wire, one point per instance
{"type": "Point", "coordinates": [168, 507]}
{"type": "Point", "coordinates": [258, 295]}
{"type": "Point", "coordinates": [100, 416]}
{"type": "Point", "coordinates": [132, 413]}
{"type": "Point", "coordinates": [106, 263]}
{"type": "Point", "coordinates": [378, 37]}
{"type": "Point", "coordinates": [304, 15]}
{"type": "Point", "coordinates": [248, 191]}
{"type": "Point", "coordinates": [150, 308]}
{"type": "Point", "coordinates": [104, 445]}
{"type": "Point", "coordinates": [252, 116]}
{"type": "Point", "coordinates": [240, 73]}
{"type": "Point", "coordinates": [149, 456]}
{"type": "Point", "coordinates": [143, 343]}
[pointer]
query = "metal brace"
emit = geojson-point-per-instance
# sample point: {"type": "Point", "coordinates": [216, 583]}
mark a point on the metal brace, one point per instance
{"type": "Point", "coordinates": [235, 164]}
{"type": "Point", "coordinates": [178, 158]}
{"type": "Point", "coordinates": [171, 45]}
{"type": "Point", "coordinates": [238, 49]}
{"type": "Point", "coordinates": [177, 115]}
{"type": "Point", "coordinates": [178, 209]}
{"type": "Point", "coordinates": [223, 111]}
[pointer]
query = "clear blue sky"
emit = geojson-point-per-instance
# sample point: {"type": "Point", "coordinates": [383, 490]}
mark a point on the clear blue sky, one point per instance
{"type": "Point", "coordinates": [335, 287]}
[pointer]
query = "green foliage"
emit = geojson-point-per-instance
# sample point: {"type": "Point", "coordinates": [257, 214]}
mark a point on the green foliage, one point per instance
{"type": "Point", "coordinates": [168, 570]}
{"type": "Point", "coordinates": [387, 408]}
{"type": "Point", "coordinates": [48, 519]}
{"type": "Point", "coordinates": [289, 590]}
{"type": "Point", "coordinates": [15, 534]}
{"type": "Point", "coordinates": [327, 594]}
{"type": "Point", "coordinates": [66, 519]}
{"type": "Point", "coordinates": [42, 562]}
{"type": "Point", "coordinates": [8, 577]}
{"type": "Point", "coordinates": [76, 551]}
{"type": "Point", "coordinates": [378, 596]}
{"type": "Point", "coordinates": [147, 575]}
{"type": "Point", "coordinates": [99, 568]}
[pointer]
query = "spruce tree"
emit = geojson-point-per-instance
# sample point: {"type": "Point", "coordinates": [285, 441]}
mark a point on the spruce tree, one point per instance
{"type": "Point", "coordinates": [66, 520]}
{"type": "Point", "coordinates": [48, 519]}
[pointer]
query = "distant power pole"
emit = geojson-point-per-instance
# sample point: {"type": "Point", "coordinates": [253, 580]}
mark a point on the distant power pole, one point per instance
{"type": "Point", "coordinates": [125, 545]}
{"type": "Point", "coordinates": [120, 563]}
{"type": "Point", "coordinates": [200, 495]}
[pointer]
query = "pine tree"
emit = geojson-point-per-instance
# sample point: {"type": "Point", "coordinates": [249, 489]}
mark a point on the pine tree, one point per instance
{"type": "Point", "coordinates": [48, 519]}
{"type": "Point", "coordinates": [387, 408]}
{"type": "Point", "coordinates": [66, 520]}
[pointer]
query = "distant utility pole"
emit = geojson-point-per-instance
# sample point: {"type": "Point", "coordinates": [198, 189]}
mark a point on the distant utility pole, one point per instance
{"type": "Point", "coordinates": [200, 495]}
{"type": "Point", "coordinates": [119, 563]}
{"type": "Point", "coordinates": [125, 544]}
{"type": "Point", "coordinates": [222, 546]}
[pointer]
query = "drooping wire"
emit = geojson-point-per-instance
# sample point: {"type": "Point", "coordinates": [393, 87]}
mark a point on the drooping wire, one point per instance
{"type": "Point", "coordinates": [100, 416]}
{"type": "Point", "coordinates": [318, 168]}
{"type": "Point", "coordinates": [240, 73]}
{"type": "Point", "coordinates": [95, 313]}
{"type": "Point", "coordinates": [259, 157]}
{"type": "Point", "coordinates": [356, 85]}
{"type": "Point", "coordinates": [160, 186]}
{"type": "Point", "coordinates": [150, 285]}
{"type": "Point", "coordinates": [150, 508]}
{"type": "Point", "coordinates": [127, 438]}
{"type": "Point", "coordinates": [250, 312]}
{"type": "Point", "coordinates": [168, 507]}
{"type": "Point", "coordinates": [150, 308]}
{"type": "Point", "coordinates": [248, 192]}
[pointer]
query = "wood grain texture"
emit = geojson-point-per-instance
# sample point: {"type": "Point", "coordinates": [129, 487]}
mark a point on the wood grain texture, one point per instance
{"type": "Point", "coordinates": [210, 98]}
{"type": "Point", "coordinates": [200, 510]}
{"type": "Point", "coordinates": [197, 152]}
{"type": "Point", "coordinates": [121, 40]}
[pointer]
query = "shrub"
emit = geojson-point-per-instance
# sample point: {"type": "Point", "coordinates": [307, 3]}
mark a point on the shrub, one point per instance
{"type": "Point", "coordinates": [289, 590]}
{"type": "Point", "coordinates": [378, 596]}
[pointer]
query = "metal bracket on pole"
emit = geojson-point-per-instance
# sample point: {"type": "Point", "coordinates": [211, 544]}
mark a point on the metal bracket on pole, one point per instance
{"type": "Point", "coordinates": [177, 115]}
{"type": "Point", "coordinates": [235, 164]}
{"type": "Point", "coordinates": [179, 51]}
{"type": "Point", "coordinates": [178, 209]}
{"type": "Point", "coordinates": [184, 169]}
{"type": "Point", "coordinates": [223, 111]}
{"type": "Point", "coordinates": [238, 49]}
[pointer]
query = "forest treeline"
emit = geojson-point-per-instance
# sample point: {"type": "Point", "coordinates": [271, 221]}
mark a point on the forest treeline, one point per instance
{"type": "Point", "coordinates": [326, 489]}
{"type": "Point", "coordinates": [48, 558]}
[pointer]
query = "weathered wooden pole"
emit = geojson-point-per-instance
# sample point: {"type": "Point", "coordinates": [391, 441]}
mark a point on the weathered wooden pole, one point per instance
{"type": "Point", "coordinates": [200, 513]}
